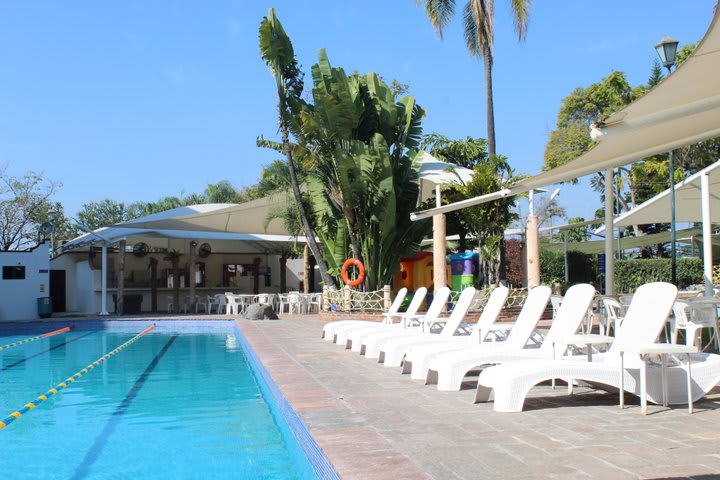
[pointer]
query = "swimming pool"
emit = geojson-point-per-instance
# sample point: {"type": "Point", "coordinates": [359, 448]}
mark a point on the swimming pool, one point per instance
{"type": "Point", "coordinates": [184, 401]}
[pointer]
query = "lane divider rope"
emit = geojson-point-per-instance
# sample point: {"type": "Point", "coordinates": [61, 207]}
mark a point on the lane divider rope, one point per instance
{"type": "Point", "coordinates": [30, 405]}
{"type": "Point", "coordinates": [39, 337]}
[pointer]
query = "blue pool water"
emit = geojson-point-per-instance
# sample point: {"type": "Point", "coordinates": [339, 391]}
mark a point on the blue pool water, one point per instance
{"type": "Point", "coordinates": [181, 402]}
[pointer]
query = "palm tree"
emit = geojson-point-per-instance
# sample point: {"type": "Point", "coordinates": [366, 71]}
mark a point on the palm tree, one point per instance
{"type": "Point", "coordinates": [479, 35]}
{"type": "Point", "coordinates": [277, 51]}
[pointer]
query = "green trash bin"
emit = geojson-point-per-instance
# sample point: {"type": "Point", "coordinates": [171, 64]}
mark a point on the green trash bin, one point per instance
{"type": "Point", "coordinates": [44, 305]}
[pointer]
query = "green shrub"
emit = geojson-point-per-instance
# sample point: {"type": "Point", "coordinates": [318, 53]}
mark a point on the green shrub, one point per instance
{"type": "Point", "coordinates": [630, 274]}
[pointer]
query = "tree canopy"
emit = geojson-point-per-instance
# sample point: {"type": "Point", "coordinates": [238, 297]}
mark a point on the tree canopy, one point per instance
{"type": "Point", "coordinates": [24, 205]}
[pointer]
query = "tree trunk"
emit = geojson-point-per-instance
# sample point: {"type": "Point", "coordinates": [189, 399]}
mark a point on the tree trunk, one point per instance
{"type": "Point", "coordinates": [487, 57]}
{"type": "Point", "coordinates": [119, 305]}
{"type": "Point", "coordinates": [306, 269]}
{"type": "Point", "coordinates": [283, 273]}
{"type": "Point", "coordinates": [309, 231]}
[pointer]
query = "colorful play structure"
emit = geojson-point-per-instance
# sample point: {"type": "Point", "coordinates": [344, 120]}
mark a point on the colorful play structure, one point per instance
{"type": "Point", "coordinates": [417, 271]}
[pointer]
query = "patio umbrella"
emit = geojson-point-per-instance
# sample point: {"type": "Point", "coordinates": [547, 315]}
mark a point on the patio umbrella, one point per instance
{"type": "Point", "coordinates": [433, 174]}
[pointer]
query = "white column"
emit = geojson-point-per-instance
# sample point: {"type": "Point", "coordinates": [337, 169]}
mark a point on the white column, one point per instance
{"type": "Point", "coordinates": [609, 254]}
{"type": "Point", "coordinates": [707, 233]}
{"type": "Point", "coordinates": [103, 282]}
{"type": "Point", "coordinates": [439, 237]}
{"type": "Point", "coordinates": [533, 251]}
{"type": "Point", "coordinates": [532, 244]}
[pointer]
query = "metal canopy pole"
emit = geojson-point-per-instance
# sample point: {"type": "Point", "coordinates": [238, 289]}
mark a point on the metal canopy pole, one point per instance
{"type": "Point", "coordinates": [609, 254]}
{"type": "Point", "coordinates": [707, 234]}
{"type": "Point", "coordinates": [673, 261]}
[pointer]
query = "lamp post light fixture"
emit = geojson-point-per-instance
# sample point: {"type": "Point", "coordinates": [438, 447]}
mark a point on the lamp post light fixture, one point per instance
{"type": "Point", "coordinates": [667, 48]}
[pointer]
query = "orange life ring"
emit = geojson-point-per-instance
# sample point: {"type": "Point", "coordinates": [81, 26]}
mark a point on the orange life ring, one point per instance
{"type": "Point", "coordinates": [361, 272]}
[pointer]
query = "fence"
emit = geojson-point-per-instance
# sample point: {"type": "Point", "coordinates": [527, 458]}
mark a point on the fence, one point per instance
{"type": "Point", "coordinates": [352, 300]}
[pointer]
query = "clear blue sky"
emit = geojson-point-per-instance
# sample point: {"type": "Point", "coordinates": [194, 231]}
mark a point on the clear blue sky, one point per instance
{"type": "Point", "coordinates": [138, 100]}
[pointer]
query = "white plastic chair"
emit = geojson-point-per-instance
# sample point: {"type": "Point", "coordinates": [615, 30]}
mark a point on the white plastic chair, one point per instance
{"type": "Point", "coordinates": [555, 302]}
{"type": "Point", "coordinates": [183, 307]}
{"type": "Point", "coordinates": [199, 304]}
{"type": "Point", "coordinates": [692, 319]}
{"type": "Point", "coordinates": [295, 302]}
{"type": "Point", "coordinates": [263, 299]}
{"type": "Point", "coordinates": [314, 303]}
{"type": "Point", "coordinates": [613, 315]}
{"type": "Point", "coordinates": [218, 301]}
{"type": "Point", "coordinates": [232, 307]}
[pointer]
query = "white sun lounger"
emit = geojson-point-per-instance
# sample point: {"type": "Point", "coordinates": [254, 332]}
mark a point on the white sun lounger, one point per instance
{"type": "Point", "coordinates": [406, 319]}
{"type": "Point", "coordinates": [369, 344]}
{"type": "Point", "coordinates": [330, 328]}
{"type": "Point", "coordinates": [645, 319]}
{"type": "Point", "coordinates": [394, 351]}
{"type": "Point", "coordinates": [417, 357]}
{"type": "Point", "coordinates": [448, 370]}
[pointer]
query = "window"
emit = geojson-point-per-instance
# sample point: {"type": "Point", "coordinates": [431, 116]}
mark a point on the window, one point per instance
{"type": "Point", "coordinates": [14, 272]}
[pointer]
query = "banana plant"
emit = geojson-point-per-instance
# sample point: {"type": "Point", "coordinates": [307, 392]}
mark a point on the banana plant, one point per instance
{"type": "Point", "coordinates": [277, 52]}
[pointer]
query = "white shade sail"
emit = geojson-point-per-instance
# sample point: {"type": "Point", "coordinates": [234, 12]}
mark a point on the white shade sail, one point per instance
{"type": "Point", "coordinates": [250, 217]}
{"type": "Point", "coordinates": [687, 202]}
{"type": "Point", "coordinates": [220, 241]}
{"type": "Point", "coordinates": [683, 109]}
{"type": "Point", "coordinates": [686, 236]}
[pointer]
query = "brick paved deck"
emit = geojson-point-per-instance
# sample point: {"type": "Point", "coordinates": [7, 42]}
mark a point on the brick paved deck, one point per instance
{"type": "Point", "coordinates": [374, 423]}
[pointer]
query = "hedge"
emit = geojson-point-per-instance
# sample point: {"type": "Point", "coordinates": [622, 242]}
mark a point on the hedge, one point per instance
{"type": "Point", "coordinates": [630, 274]}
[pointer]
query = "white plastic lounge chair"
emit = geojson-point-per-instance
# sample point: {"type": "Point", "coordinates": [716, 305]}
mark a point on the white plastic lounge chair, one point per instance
{"type": "Point", "coordinates": [449, 369]}
{"type": "Point", "coordinates": [408, 318]}
{"type": "Point", "coordinates": [644, 320]}
{"type": "Point", "coordinates": [393, 351]}
{"type": "Point", "coordinates": [417, 358]}
{"type": "Point", "coordinates": [330, 328]}
{"type": "Point", "coordinates": [370, 344]}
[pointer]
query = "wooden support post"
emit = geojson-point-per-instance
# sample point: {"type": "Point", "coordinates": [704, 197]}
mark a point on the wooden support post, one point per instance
{"type": "Point", "coordinates": [387, 300]}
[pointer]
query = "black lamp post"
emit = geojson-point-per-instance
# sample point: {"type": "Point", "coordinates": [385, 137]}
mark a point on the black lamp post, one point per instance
{"type": "Point", "coordinates": [667, 48]}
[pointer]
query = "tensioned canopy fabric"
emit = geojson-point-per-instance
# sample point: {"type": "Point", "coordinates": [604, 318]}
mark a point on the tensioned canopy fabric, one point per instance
{"type": "Point", "coordinates": [249, 217]}
{"type": "Point", "coordinates": [690, 235]}
{"type": "Point", "coordinates": [221, 241]}
{"type": "Point", "coordinates": [683, 109]}
{"type": "Point", "coordinates": [687, 202]}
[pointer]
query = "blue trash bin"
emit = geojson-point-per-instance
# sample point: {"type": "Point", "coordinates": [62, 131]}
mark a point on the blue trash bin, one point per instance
{"type": "Point", "coordinates": [44, 307]}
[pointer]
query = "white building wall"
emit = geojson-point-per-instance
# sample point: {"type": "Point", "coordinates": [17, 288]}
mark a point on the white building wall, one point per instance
{"type": "Point", "coordinates": [18, 298]}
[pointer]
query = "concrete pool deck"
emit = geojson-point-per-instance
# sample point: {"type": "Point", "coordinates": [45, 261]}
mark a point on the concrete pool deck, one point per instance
{"type": "Point", "coordinates": [374, 423]}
